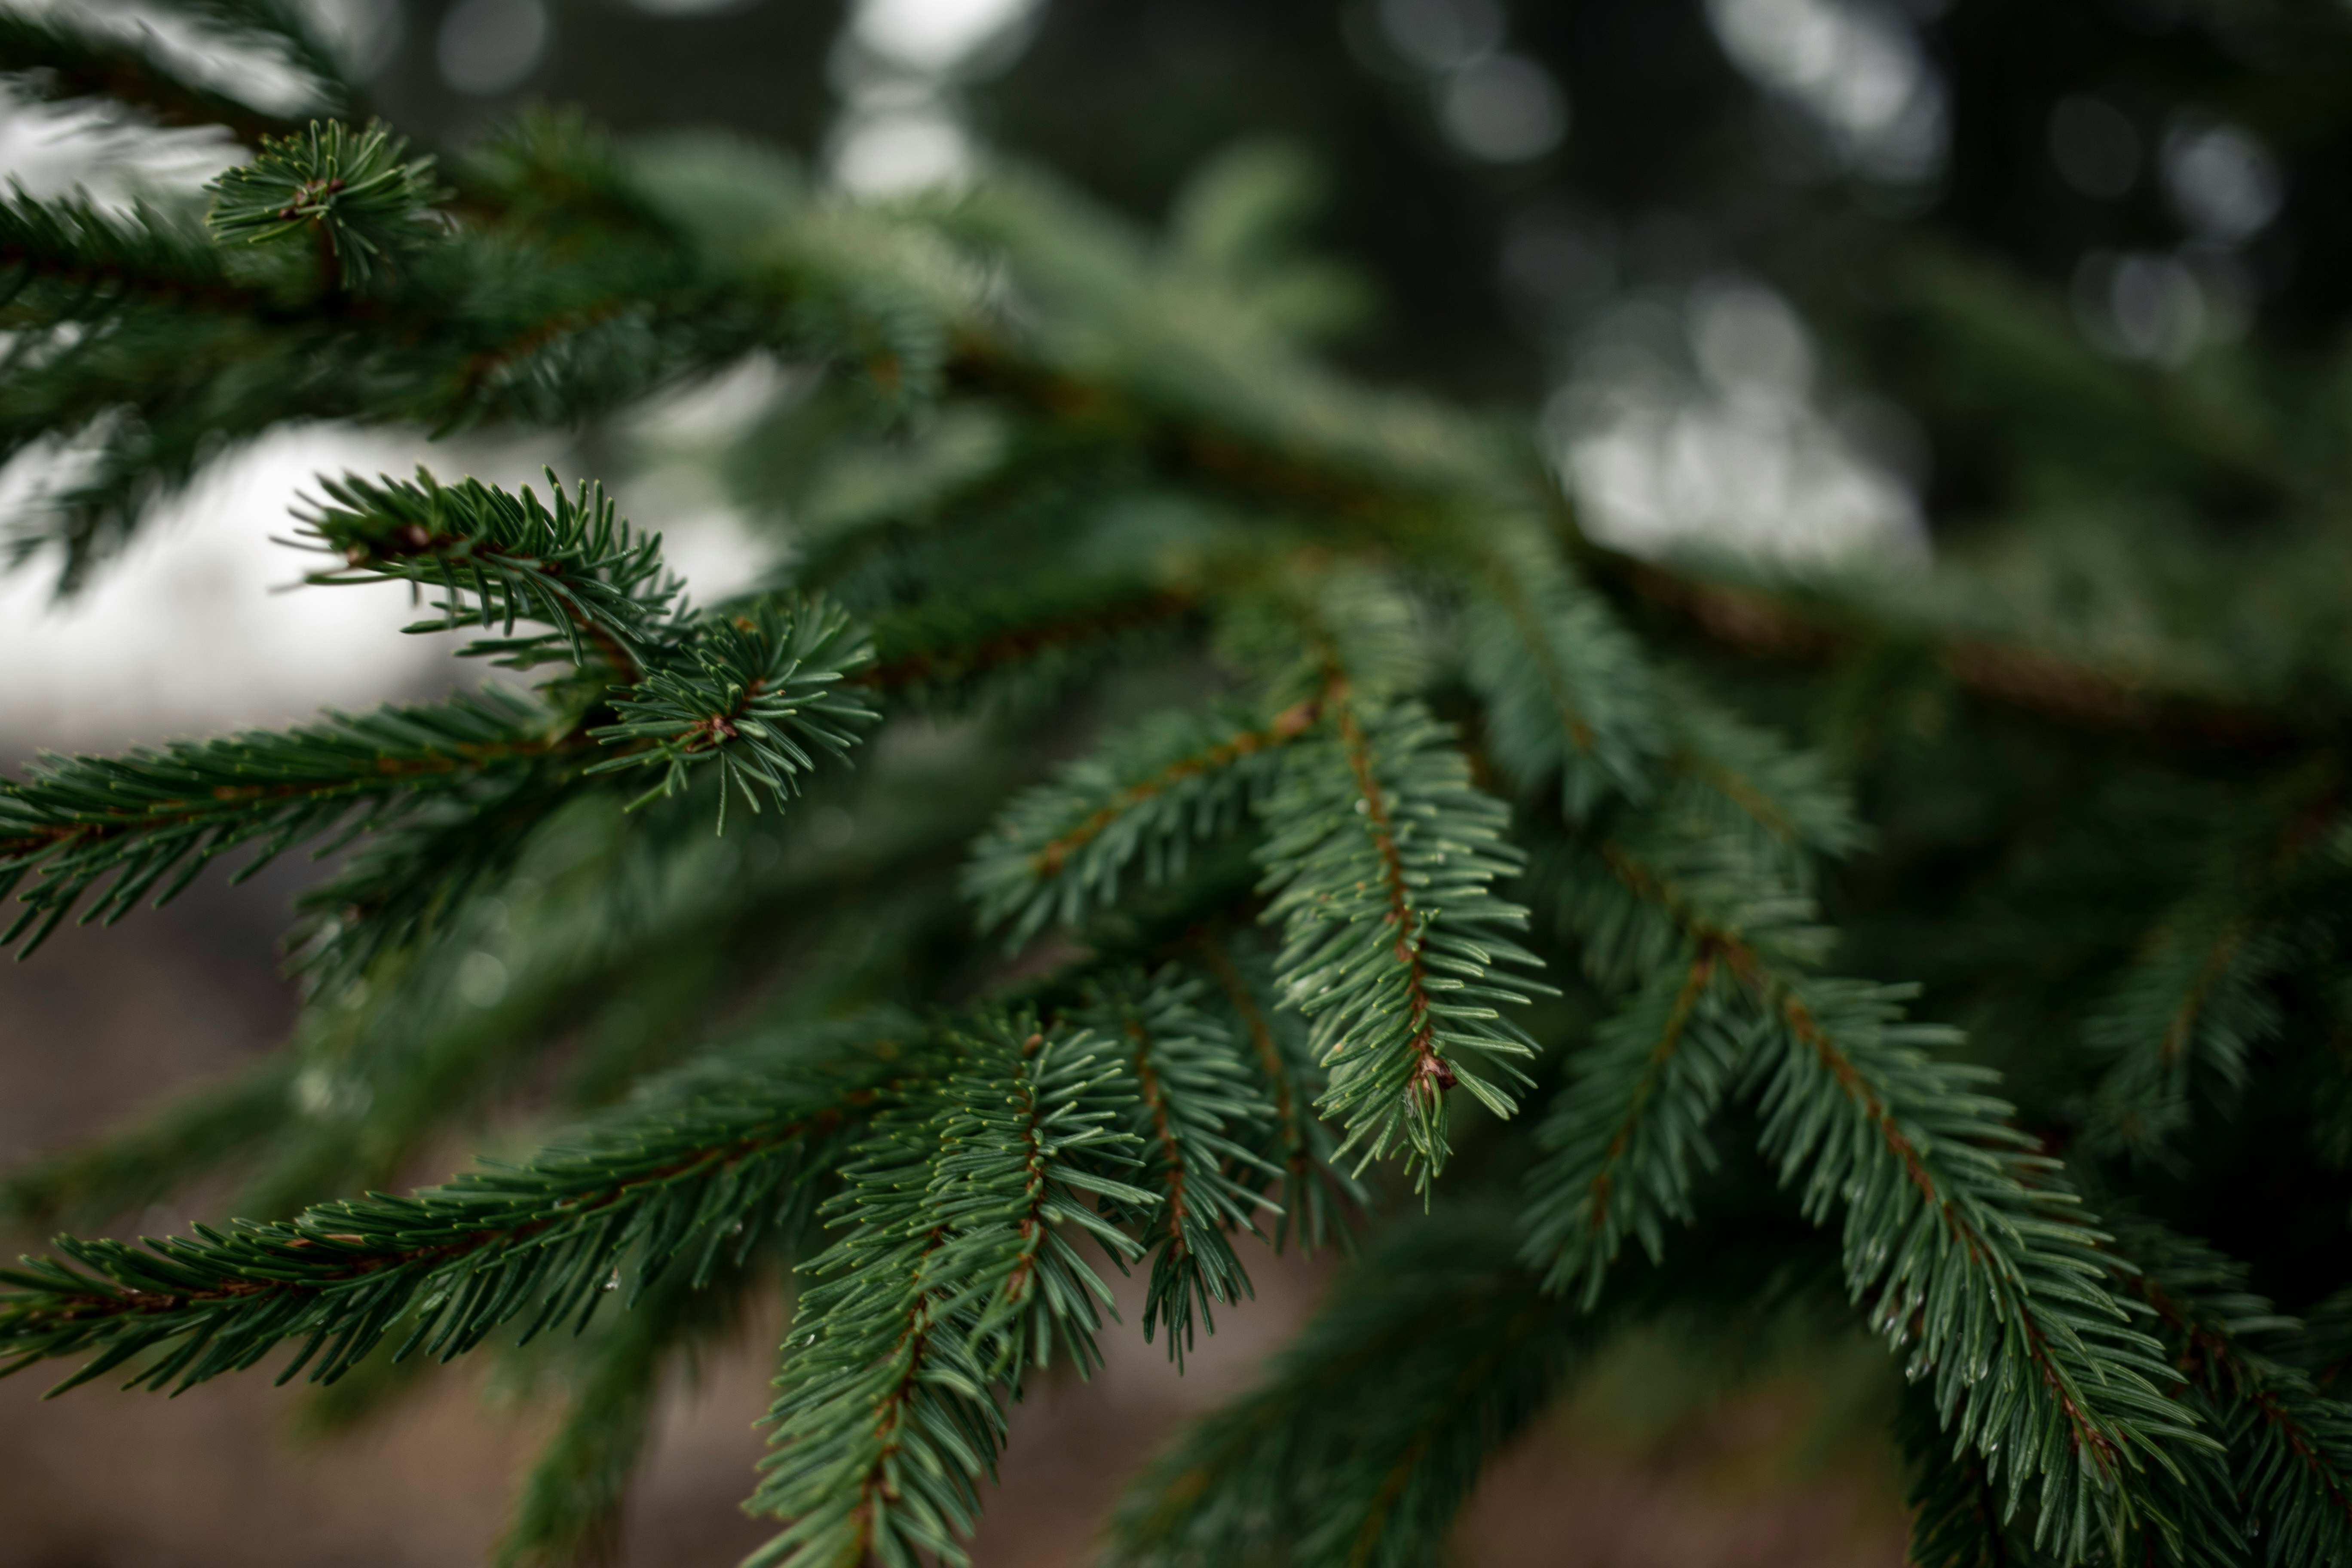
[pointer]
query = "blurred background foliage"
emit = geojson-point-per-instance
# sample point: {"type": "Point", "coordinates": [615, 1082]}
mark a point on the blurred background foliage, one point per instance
{"type": "Point", "coordinates": [1800, 277]}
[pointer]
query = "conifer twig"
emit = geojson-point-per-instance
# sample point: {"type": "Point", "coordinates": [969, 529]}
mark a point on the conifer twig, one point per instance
{"type": "Point", "coordinates": [709, 1166]}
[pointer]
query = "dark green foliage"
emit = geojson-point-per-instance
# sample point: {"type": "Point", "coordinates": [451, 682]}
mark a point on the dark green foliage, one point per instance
{"type": "Point", "coordinates": [2186, 1019]}
{"type": "Point", "coordinates": [1370, 1433]}
{"type": "Point", "coordinates": [499, 559]}
{"type": "Point", "coordinates": [962, 654]}
{"type": "Point", "coordinates": [958, 1274]}
{"type": "Point", "coordinates": [357, 190]}
{"type": "Point", "coordinates": [1379, 855]}
{"type": "Point", "coordinates": [1957, 1245]}
{"type": "Point", "coordinates": [1237, 697]}
{"type": "Point", "coordinates": [1568, 694]}
{"type": "Point", "coordinates": [744, 690]}
{"type": "Point", "coordinates": [1626, 1139]}
{"type": "Point", "coordinates": [1958, 1519]}
{"type": "Point", "coordinates": [1058, 853]}
{"type": "Point", "coordinates": [1194, 1102]}
{"type": "Point", "coordinates": [711, 1162]}
{"type": "Point", "coordinates": [2282, 1493]}
{"type": "Point", "coordinates": [1969, 1262]}
{"type": "Point", "coordinates": [71, 260]}
{"type": "Point", "coordinates": [1314, 1194]}
{"type": "Point", "coordinates": [152, 820]}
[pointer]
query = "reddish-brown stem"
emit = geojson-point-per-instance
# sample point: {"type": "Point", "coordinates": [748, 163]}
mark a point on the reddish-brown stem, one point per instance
{"type": "Point", "coordinates": [1430, 1073]}
{"type": "Point", "coordinates": [1179, 1207]}
{"type": "Point", "coordinates": [890, 1411]}
{"type": "Point", "coordinates": [2211, 1355]}
{"type": "Point", "coordinates": [1756, 973]}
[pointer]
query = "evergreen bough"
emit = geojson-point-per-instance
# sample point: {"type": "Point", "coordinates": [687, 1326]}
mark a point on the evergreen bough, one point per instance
{"type": "Point", "coordinates": [1451, 811]}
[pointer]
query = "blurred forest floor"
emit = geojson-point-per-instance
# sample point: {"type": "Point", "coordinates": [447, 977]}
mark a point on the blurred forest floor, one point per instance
{"type": "Point", "coordinates": [102, 1021]}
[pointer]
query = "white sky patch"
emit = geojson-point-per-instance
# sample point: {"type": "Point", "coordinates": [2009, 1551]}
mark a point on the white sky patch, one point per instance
{"type": "Point", "coordinates": [894, 149]}
{"type": "Point", "coordinates": [183, 637]}
{"type": "Point", "coordinates": [898, 69]}
{"type": "Point", "coordinates": [1856, 67]}
{"type": "Point", "coordinates": [935, 37]}
{"type": "Point", "coordinates": [1699, 426]}
{"type": "Point", "coordinates": [58, 150]}
{"type": "Point", "coordinates": [677, 443]}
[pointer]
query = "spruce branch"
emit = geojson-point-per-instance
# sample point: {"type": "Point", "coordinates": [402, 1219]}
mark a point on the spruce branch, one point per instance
{"type": "Point", "coordinates": [1684, 901]}
{"type": "Point", "coordinates": [1194, 1105]}
{"type": "Point", "coordinates": [150, 821]}
{"type": "Point", "coordinates": [1058, 851]}
{"type": "Point", "coordinates": [1971, 1256]}
{"type": "Point", "coordinates": [956, 1275]}
{"type": "Point", "coordinates": [1568, 695]}
{"type": "Point", "coordinates": [701, 1169]}
{"type": "Point", "coordinates": [1958, 1237]}
{"type": "Point", "coordinates": [2199, 1000]}
{"type": "Point", "coordinates": [1362, 1442]}
{"type": "Point", "coordinates": [744, 690]}
{"type": "Point", "coordinates": [1313, 1194]}
{"type": "Point", "coordinates": [1379, 857]}
{"type": "Point", "coordinates": [500, 559]}
{"type": "Point", "coordinates": [1624, 1137]}
{"type": "Point", "coordinates": [367, 202]}
{"type": "Point", "coordinates": [2284, 1485]}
